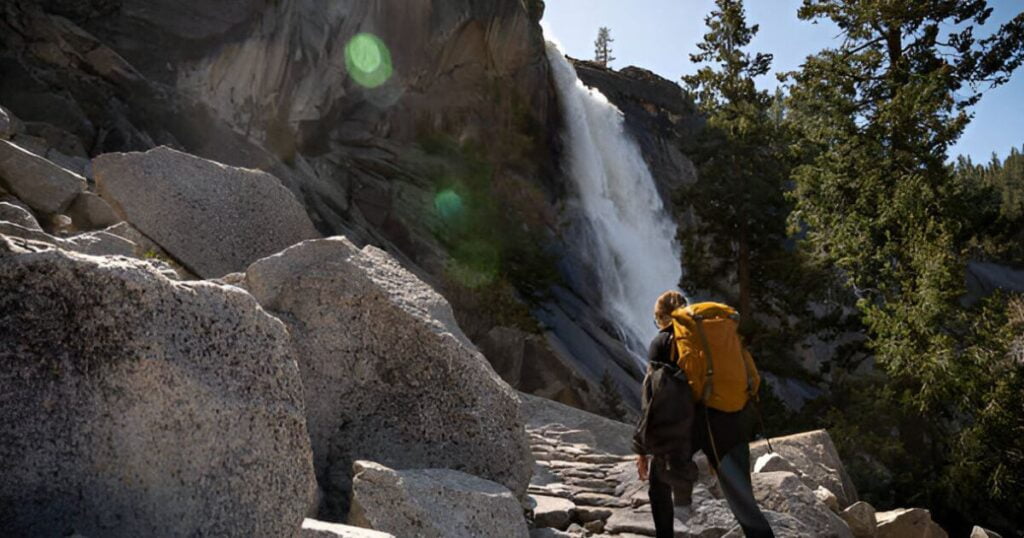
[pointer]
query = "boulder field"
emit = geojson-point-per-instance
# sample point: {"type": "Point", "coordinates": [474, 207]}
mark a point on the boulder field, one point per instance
{"type": "Point", "coordinates": [169, 405]}
{"type": "Point", "coordinates": [387, 372]}
{"type": "Point", "coordinates": [182, 408]}
{"type": "Point", "coordinates": [321, 379]}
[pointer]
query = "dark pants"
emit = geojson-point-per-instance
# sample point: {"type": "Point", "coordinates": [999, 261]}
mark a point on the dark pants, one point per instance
{"type": "Point", "coordinates": [728, 432]}
{"type": "Point", "coordinates": [671, 485]}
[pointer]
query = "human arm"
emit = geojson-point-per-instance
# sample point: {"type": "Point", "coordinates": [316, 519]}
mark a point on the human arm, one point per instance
{"type": "Point", "coordinates": [643, 465]}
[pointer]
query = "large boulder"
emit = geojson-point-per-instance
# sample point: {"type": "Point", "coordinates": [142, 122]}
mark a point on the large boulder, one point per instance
{"type": "Point", "coordinates": [214, 219]}
{"type": "Point", "coordinates": [711, 518]}
{"type": "Point", "coordinates": [554, 512]}
{"type": "Point", "coordinates": [982, 532]}
{"type": "Point", "coordinates": [817, 460]}
{"type": "Point", "coordinates": [783, 526]}
{"type": "Point", "coordinates": [908, 523]}
{"type": "Point", "coordinates": [860, 517]}
{"type": "Point", "coordinates": [146, 249]}
{"type": "Point", "coordinates": [561, 424]}
{"type": "Point", "coordinates": [387, 372]}
{"type": "Point", "coordinates": [773, 462]}
{"type": "Point", "coordinates": [99, 243]}
{"type": "Point", "coordinates": [41, 184]}
{"type": "Point", "coordinates": [90, 212]}
{"type": "Point", "coordinates": [15, 214]}
{"type": "Point", "coordinates": [133, 405]}
{"type": "Point", "coordinates": [433, 503]}
{"type": "Point", "coordinates": [784, 492]}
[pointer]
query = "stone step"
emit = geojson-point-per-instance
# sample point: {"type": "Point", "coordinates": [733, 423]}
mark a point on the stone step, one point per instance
{"type": "Point", "coordinates": [587, 498]}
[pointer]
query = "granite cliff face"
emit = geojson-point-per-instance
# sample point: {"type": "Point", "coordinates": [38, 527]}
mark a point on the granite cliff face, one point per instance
{"type": "Point", "coordinates": [280, 74]}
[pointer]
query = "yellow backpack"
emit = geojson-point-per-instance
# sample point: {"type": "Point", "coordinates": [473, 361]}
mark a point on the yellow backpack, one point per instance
{"type": "Point", "coordinates": [721, 371]}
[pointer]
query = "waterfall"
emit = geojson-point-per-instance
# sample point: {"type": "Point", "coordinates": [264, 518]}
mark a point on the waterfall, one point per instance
{"type": "Point", "coordinates": [632, 244]}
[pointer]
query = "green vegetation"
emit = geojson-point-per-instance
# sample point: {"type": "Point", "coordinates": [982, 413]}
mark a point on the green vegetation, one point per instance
{"type": "Point", "coordinates": [738, 197]}
{"type": "Point", "coordinates": [874, 119]}
{"type": "Point", "coordinates": [743, 163]}
{"type": "Point", "coordinates": [493, 231]}
{"type": "Point", "coordinates": [997, 206]}
{"type": "Point", "coordinates": [853, 158]}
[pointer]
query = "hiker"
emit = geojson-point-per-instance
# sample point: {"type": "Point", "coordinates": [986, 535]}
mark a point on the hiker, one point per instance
{"type": "Point", "coordinates": [684, 412]}
{"type": "Point", "coordinates": [663, 438]}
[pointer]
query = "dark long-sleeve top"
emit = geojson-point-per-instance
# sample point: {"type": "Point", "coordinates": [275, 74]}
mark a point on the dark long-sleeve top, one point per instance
{"type": "Point", "coordinates": [667, 411]}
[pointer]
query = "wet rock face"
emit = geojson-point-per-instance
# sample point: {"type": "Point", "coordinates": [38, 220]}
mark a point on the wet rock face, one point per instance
{"type": "Point", "coordinates": [136, 406]}
{"type": "Point", "coordinates": [285, 76]}
{"type": "Point", "coordinates": [658, 114]}
{"type": "Point", "coordinates": [387, 373]}
{"type": "Point", "coordinates": [434, 503]}
{"type": "Point", "coordinates": [214, 219]}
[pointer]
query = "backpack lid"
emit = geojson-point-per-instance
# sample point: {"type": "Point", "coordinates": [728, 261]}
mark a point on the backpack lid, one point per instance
{"type": "Point", "coordinates": [708, 310]}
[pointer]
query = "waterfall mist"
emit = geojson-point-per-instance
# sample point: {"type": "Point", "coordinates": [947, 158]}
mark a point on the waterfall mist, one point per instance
{"type": "Point", "coordinates": [632, 240]}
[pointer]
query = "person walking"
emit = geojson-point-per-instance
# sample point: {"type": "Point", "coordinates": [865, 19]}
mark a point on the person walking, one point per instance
{"type": "Point", "coordinates": [697, 395]}
{"type": "Point", "coordinates": [663, 437]}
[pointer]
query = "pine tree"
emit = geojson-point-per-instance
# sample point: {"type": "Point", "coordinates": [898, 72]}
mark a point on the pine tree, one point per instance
{"type": "Point", "coordinates": [997, 207]}
{"type": "Point", "coordinates": [603, 46]}
{"type": "Point", "coordinates": [876, 117]}
{"type": "Point", "coordinates": [738, 197]}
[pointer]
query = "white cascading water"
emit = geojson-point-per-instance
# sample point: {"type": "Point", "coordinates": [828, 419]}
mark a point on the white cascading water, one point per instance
{"type": "Point", "coordinates": [636, 255]}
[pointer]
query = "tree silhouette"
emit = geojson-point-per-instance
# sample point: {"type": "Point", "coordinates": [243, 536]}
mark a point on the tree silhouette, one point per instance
{"type": "Point", "coordinates": [603, 46]}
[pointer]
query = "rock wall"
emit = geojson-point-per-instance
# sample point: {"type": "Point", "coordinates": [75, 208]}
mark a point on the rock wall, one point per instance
{"type": "Point", "coordinates": [279, 74]}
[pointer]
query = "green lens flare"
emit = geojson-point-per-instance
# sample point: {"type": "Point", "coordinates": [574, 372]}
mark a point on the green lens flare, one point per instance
{"type": "Point", "coordinates": [448, 204]}
{"type": "Point", "coordinates": [368, 60]}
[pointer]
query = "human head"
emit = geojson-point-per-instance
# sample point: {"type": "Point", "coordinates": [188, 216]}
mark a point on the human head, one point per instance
{"type": "Point", "coordinates": [667, 303]}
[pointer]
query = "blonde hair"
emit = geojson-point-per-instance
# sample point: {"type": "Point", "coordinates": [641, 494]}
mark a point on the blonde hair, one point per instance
{"type": "Point", "coordinates": [667, 303]}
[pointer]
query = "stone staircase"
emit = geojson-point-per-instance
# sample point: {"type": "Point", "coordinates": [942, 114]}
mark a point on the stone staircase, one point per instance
{"type": "Point", "coordinates": [585, 484]}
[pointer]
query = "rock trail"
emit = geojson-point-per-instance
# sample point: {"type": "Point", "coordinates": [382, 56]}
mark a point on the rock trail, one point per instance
{"type": "Point", "coordinates": [585, 484]}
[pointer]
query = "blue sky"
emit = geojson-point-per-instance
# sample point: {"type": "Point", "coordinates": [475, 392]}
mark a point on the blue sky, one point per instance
{"type": "Point", "coordinates": [661, 34]}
